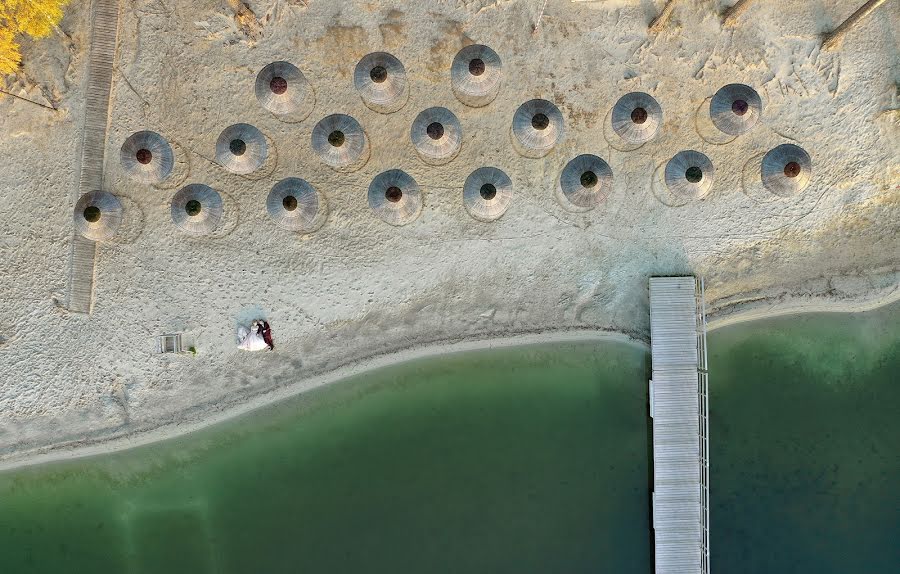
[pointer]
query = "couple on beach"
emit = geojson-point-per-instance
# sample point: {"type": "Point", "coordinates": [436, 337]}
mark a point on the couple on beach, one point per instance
{"type": "Point", "coordinates": [256, 338]}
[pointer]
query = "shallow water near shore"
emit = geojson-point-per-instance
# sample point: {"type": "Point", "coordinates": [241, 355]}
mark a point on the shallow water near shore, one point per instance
{"type": "Point", "coordinates": [525, 459]}
{"type": "Point", "coordinates": [804, 443]}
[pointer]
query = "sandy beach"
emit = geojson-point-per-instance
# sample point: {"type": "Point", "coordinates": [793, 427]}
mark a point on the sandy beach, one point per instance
{"type": "Point", "coordinates": [357, 293]}
{"type": "Point", "coordinates": [80, 449]}
{"type": "Point", "coordinates": [106, 446]}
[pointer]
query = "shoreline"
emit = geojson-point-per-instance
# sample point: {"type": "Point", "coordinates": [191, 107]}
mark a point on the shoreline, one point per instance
{"type": "Point", "coordinates": [72, 451]}
{"type": "Point", "coordinates": [766, 309]}
{"type": "Point", "coordinates": [736, 314]}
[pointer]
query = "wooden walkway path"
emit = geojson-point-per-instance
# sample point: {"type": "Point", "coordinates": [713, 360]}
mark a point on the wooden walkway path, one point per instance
{"type": "Point", "coordinates": [104, 36]}
{"type": "Point", "coordinates": [679, 406]}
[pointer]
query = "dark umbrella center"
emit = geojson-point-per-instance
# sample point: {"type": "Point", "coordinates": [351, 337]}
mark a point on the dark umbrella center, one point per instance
{"type": "Point", "coordinates": [289, 202]}
{"type": "Point", "coordinates": [278, 85]}
{"type": "Point", "coordinates": [237, 147]}
{"type": "Point", "coordinates": [144, 156]}
{"type": "Point", "coordinates": [192, 207]}
{"type": "Point", "coordinates": [693, 174]}
{"type": "Point", "coordinates": [435, 130]}
{"type": "Point", "coordinates": [488, 191]}
{"type": "Point", "coordinates": [393, 194]}
{"type": "Point", "coordinates": [588, 179]}
{"type": "Point", "coordinates": [792, 169]}
{"type": "Point", "coordinates": [378, 74]}
{"type": "Point", "coordinates": [740, 107]}
{"type": "Point", "coordinates": [638, 115]}
{"type": "Point", "coordinates": [540, 121]}
{"type": "Point", "coordinates": [476, 66]}
{"type": "Point", "coordinates": [92, 213]}
{"type": "Point", "coordinates": [336, 138]}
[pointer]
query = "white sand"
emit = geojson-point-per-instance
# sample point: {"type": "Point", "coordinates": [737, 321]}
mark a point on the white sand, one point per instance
{"type": "Point", "coordinates": [359, 288]}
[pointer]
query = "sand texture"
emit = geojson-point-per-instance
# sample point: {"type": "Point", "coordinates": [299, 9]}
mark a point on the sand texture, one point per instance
{"type": "Point", "coordinates": [358, 287]}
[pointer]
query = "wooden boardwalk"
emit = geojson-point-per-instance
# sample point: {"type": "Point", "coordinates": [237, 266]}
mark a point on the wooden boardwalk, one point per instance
{"type": "Point", "coordinates": [678, 405]}
{"type": "Point", "coordinates": [104, 36]}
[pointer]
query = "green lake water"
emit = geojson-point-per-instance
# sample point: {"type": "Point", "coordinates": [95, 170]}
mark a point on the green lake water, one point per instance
{"type": "Point", "coordinates": [528, 459]}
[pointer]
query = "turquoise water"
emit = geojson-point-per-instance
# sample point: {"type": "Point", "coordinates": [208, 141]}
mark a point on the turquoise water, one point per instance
{"type": "Point", "coordinates": [530, 459]}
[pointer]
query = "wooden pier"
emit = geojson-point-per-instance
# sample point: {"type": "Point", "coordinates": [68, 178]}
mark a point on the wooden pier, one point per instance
{"type": "Point", "coordinates": [104, 35]}
{"type": "Point", "coordinates": [679, 408]}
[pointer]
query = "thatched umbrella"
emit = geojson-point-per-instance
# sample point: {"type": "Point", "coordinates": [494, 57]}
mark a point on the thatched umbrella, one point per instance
{"type": "Point", "coordinates": [786, 170]}
{"type": "Point", "coordinates": [241, 148]}
{"type": "Point", "coordinates": [147, 157]}
{"type": "Point", "coordinates": [735, 109]}
{"type": "Point", "coordinates": [436, 135]}
{"type": "Point", "coordinates": [487, 193]}
{"type": "Point", "coordinates": [476, 75]}
{"type": "Point", "coordinates": [339, 140]}
{"type": "Point", "coordinates": [380, 79]}
{"type": "Point", "coordinates": [395, 197]}
{"type": "Point", "coordinates": [537, 127]}
{"type": "Point", "coordinates": [636, 117]}
{"type": "Point", "coordinates": [282, 89]}
{"type": "Point", "coordinates": [197, 209]}
{"type": "Point", "coordinates": [586, 181]}
{"type": "Point", "coordinates": [98, 215]}
{"type": "Point", "coordinates": [689, 174]}
{"type": "Point", "coordinates": [293, 204]}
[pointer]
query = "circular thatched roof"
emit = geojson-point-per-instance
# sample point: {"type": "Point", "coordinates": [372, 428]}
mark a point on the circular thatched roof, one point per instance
{"type": "Point", "coordinates": [147, 157]}
{"type": "Point", "coordinates": [98, 215]}
{"type": "Point", "coordinates": [636, 117]}
{"type": "Point", "coordinates": [339, 140]}
{"type": "Point", "coordinates": [436, 135]}
{"type": "Point", "coordinates": [735, 109]}
{"type": "Point", "coordinates": [487, 193]}
{"type": "Point", "coordinates": [537, 127]}
{"type": "Point", "coordinates": [241, 148]}
{"type": "Point", "coordinates": [395, 197]}
{"type": "Point", "coordinates": [197, 209]}
{"type": "Point", "coordinates": [380, 79]}
{"type": "Point", "coordinates": [282, 89]}
{"type": "Point", "coordinates": [586, 181]}
{"type": "Point", "coordinates": [689, 174]}
{"type": "Point", "coordinates": [293, 204]}
{"type": "Point", "coordinates": [476, 75]}
{"type": "Point", "coordinates": [786, 170]}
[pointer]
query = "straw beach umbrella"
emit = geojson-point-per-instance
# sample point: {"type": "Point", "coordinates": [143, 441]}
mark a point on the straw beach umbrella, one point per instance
{"type": "Point", "coordinates": [636, 117]}
{"type": "Point", "coordinates": [380, 79]}
{"type": "Point", "coordinates": [436, 135]}
{"type": "Point", "coordinates": [147, 157]}
{"type": "Point", "coordinates": [282, 89]}
{"type": "Point", "coordinates": [735, 109]}
{"type": "Point", "coordinates": [293, 204]}
{"type": "Point", "coordinates": [241, 149]}
{"type": "Point", "coordinates": [487, 193]}
{"type": "Point", "coordinates": [689, 174]}
{"type": "Point", "coordinates": [586, 181]}
{"type": "Point", "coordinates": [395, 197]}
{"type": "Point", "coordinates": [537, 127]}
{"type": "Point", "coordinates": [197, 209]}
{"type": "Point", "coordinates": [340, 141]}
{"type": "Point", "coordinates": [786, 170]}
{"type": "Point", "coordinates": [476, 75]}
{"type": "Point", "coordinates": [98, 215]}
